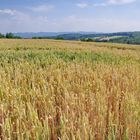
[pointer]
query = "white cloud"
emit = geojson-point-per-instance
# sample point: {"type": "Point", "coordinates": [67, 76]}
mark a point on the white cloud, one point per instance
{"type": "Point", "coordinates": [8, 11]}
{"type": "Point", "coordinates": [17, 21]}
{"type": "Point", "coordinates": [42, 8]}
{"type": "Point", "coordinates": [100, 4]}
{"type": "Point", "coordinates": [121, 1]}
{"type": "Point", "coordinates": [82, 5]}
{"type": "Point", "coordinates": [113, 2]}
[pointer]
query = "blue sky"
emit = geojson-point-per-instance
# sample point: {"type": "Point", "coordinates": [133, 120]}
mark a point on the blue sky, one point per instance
{"type": "Point", "coordinates": [69, 15]}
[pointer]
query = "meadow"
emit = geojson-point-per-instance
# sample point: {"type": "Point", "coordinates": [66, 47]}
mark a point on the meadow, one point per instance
{"type": "Point", "coordinates": [69, 90]}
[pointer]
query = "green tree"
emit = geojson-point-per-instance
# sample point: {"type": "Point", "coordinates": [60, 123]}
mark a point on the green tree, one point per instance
{"type": "Point", "coordinates": [9, 35]}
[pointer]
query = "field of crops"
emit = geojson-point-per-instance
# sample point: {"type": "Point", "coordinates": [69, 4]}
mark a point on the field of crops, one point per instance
{"type": "Point", "coordinates": [69, 90]}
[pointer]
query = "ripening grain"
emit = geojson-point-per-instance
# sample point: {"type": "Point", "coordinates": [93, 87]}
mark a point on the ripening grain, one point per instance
{"type": "Point", "coordinates": [68, 90]}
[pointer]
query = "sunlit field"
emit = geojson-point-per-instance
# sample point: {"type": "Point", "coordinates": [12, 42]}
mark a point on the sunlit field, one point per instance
{"type": "Point", "coordinates": [69, 90]}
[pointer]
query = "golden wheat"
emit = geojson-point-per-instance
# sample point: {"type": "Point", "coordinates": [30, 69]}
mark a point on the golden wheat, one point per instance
{"type": "Point", "coordinates": [68, 90]}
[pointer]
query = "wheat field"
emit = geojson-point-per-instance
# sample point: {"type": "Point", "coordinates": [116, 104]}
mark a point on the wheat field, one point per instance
{"type": "Point", "coordinates": [69, 90]}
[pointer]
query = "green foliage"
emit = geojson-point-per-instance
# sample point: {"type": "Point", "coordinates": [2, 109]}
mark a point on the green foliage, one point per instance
{"type": "Point", "coordinates": [59, 38]}
{"type": "Point", "coordinates": [17, 37]}
{"type": "Point", "coordinates": [121, 37]}
{"type": "Point", "coordinates": [127, 40]}
{"type": "Point", "coordinates": [34, 37]}
{"type": "Point", "coordinates": [9, 35]}
{"type": "Point", "coordinates": [2, 35]}
{"type": "Point", "coordinates": [39, 37]}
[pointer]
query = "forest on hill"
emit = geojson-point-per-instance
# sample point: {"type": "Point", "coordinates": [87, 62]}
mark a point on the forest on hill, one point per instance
{"type": "Point", "coordinates": [119, 37]}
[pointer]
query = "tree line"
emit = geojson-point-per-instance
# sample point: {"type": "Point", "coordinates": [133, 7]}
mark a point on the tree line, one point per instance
{"type": "Point", "coordinates": [9, 36]}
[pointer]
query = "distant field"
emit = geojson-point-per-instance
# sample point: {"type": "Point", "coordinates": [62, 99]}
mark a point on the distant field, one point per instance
{"type": "Point", "coordinates": [69, 90]}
